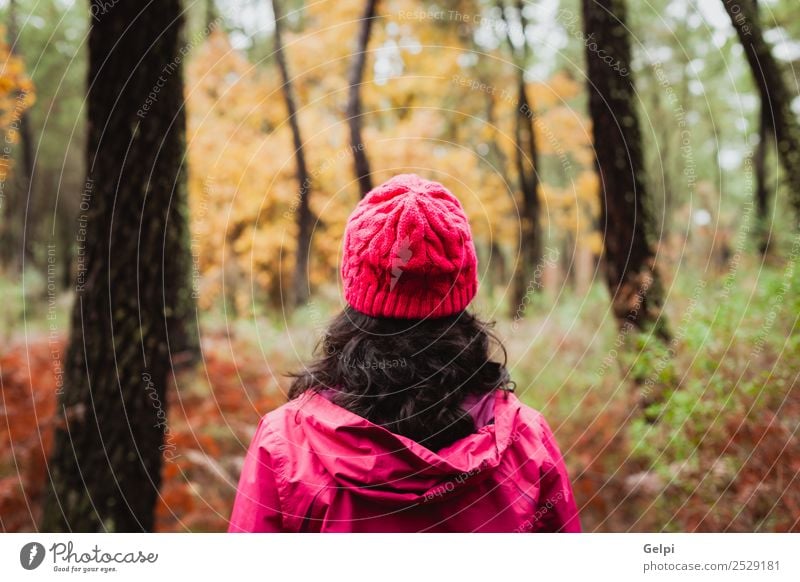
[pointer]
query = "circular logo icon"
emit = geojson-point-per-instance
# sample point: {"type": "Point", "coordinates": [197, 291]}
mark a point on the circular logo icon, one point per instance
{"type": "Point", "coordinates": [31, 555]}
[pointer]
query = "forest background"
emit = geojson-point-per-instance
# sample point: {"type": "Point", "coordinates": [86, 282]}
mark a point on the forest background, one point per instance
{"type": "Point", "coordinates": [651, 315]}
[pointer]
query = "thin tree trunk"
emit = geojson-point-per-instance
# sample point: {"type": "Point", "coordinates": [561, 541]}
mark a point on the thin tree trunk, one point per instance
{"type": "Point", "coordinates": [212, 14]}
{"type": "Point", "coordinates": [497, 159]}
{"type": "Point", "coordinates": [530, 234]}
{"type": "Point", "coordinates": [133, 294]}
{"type": "Point", "coordinates": [568, 256]}
{"type": "Point", "coordinates": [355, 77]}
{"type": "Point", "coordinates": [630, 268]}
{"type": "Point", "coordinates": [527, 166]}
{"type": "Point", "coordinates": [16, 231]}
{"type": "Point", "coordinates": [305, 221]}
{"type": "Point", "coordinates": [761, 194]}
{"type": "Point", "coordinates": [495, 156]}
{"type": "Point", "coordinates": [531, 231]}
{"type": "Point", "coordinates": [774, 91]}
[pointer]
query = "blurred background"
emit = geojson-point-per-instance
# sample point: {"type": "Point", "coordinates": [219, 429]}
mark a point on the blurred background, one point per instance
{"type": "Point", "coordinates": [685, 420]}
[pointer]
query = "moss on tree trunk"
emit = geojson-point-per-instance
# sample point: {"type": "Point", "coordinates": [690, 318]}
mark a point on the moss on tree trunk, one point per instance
{"type": "Point", "coordinates": [629, 259]}
{"type": "Point", "coordinates": [133, 294]}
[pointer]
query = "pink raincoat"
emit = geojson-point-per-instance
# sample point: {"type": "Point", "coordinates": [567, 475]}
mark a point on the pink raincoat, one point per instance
{"type": "Point", "coordinates": [314, 466]}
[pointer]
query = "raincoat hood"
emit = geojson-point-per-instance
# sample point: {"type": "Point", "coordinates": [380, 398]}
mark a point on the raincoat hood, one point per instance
{"type": "Point", "coordinates": [374, 462]}
{"type": "Point", "coordinates": [314, 466]}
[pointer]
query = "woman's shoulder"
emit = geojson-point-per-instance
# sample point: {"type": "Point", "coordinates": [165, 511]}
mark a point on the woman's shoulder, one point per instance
{"type": "Point", "coordinates": [278, 422]}
{"type": "Point", "coordinates": [531, 423]}
{"type": "Point", "coordinates": [531, 415]}
{"type": "Point", "coordinates": [511, 403]}
{"type": "Point", "coordinates": [289, 422]}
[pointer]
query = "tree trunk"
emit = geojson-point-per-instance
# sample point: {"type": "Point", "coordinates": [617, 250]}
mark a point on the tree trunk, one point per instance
{"type": "Point", "coordinates": [497, 159]}
{"type": "Point", "coordinates": [761, 194]}
{"type": "Point", "coordinates": [18, 223]}
{"type": "Point", "coordinates": [211, 15]}
{"type": "Point", "coordinates": [526, 161]}
{"type": "Point", "coordinates": [629, 264]}
{"type": "Point", "coordinates": [132, 290]}
{"type": "Point", "coordinates": [530, 231]}
{"type": "Point", "coordinates": [527, 166]}
{"type": "Point", "coordinates": [774, 91]}
{"type": "Point", "coordinates": [305, 221]}
{"type": "Point", "coordinates": [355, 77]}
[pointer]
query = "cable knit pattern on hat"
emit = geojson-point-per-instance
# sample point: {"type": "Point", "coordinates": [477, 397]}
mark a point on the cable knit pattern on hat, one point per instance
{"type": "Point", "coordinates": [408, 252]}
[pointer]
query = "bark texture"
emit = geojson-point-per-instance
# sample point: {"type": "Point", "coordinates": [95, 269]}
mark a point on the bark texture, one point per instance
{"type": "Point", "coordinates": [133, 293]}
{"type": "Point", "coordinates": [629, 261]}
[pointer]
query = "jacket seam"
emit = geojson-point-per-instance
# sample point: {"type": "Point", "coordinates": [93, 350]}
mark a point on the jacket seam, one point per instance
{"type": "Point", "coordinates": [278, 470]}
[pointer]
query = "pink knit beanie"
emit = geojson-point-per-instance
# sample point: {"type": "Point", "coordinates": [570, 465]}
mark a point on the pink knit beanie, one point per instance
{"type": "Point", "coordinates": [408, 252]}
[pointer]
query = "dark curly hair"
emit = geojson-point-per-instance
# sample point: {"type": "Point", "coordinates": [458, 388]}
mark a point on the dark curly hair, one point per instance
{"type": "Point", "coordinates": [409, 376]}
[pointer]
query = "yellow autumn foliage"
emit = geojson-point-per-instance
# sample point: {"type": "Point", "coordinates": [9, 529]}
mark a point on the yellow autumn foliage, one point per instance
{"type": "Point", "coordinates": [420, 115]}
{"type": "Point", "coordinates": [17, 95]}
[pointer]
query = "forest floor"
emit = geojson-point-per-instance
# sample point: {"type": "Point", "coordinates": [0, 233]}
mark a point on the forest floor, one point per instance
{"type": "Point", "coordinates": [723, 454]}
